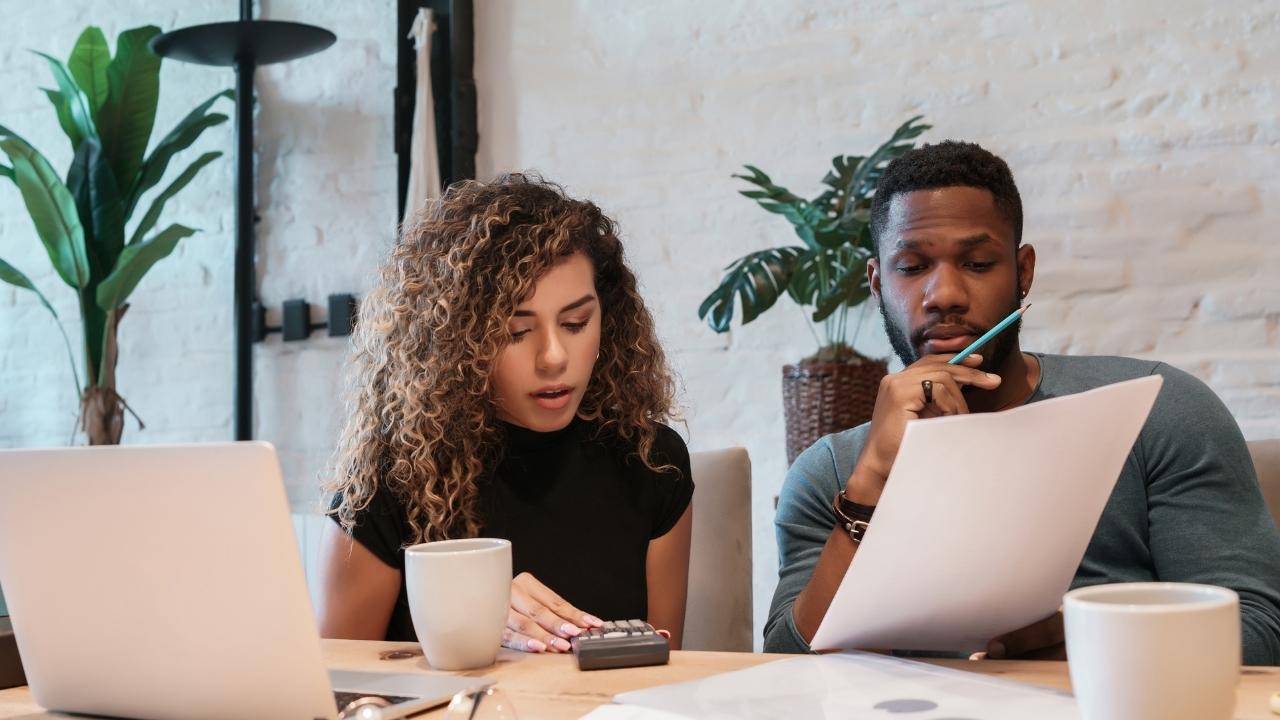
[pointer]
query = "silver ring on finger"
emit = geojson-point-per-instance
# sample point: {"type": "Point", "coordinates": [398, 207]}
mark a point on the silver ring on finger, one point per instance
{"type": "Point", "coordinates": [927, 386]}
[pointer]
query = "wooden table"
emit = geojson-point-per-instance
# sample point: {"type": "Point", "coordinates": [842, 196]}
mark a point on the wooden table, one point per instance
{"type": "Point", "coordinates": [546, 687]}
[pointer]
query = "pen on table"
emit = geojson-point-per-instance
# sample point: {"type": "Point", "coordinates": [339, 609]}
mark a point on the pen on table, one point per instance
{"type": "Point", "coordinates": [973, 346]}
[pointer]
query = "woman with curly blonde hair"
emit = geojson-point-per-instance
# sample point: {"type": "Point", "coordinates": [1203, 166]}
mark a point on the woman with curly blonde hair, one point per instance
{"type": "Point", "coordinates": [508, 383]}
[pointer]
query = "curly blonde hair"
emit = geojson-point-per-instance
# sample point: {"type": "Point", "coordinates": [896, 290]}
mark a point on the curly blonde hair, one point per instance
{"type": "Point", "coordinates": [420, 419]}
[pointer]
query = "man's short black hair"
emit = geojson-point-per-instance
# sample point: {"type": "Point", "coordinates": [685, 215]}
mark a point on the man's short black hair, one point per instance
{"type": "Point", "coordinates": [947, 164]}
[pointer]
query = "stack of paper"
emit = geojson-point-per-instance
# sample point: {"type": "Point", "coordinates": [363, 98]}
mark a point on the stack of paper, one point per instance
{"type": "Point", "coordinates": [847, 686]}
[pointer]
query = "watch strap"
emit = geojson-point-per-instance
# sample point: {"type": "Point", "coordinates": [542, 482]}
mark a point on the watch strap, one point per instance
{"type": "Point", "coordinates": [854, 517]}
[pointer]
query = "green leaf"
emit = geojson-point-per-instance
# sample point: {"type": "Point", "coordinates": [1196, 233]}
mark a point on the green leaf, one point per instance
{"type": "Point", "coordinates": [88, 64]}
{"type": "Point", "coordinates": [77, 104]}
{"type": "Point", "coordinates": [126, 118]}
{"type": "Point", "coordinates": [13, 276]}
{"type": "Point", "coordinates": [774, 192]}
{"type": "Point", "coordinates": [157, 205]}
{"type": "Point", "coordinates": [807, 278]}
{"type": "Point", "coordinates": [848, 289]}
{"type": "Point", "coordinates": [835, 233]}
{"type": "Point", "coordinates": [805, 217]}
{"type": "Point", "coordinates": [134, 263]}
{"type": "Point", "coordinates": [93, 185]}
{"type": "Point", "coordinates": [78, 186]}
{"type": "Point", "coordinates": [6, 171]}
{"type": "Point", "coordinates": [838, 181]}
{"type": "Point", "coordinates": [64, 117]}
{"type": "Point", "coordinates": [756, 280]}
{"type": "Point", "coordinates": [51, 207]}
{"type": "Point", "coordinates": [865, 241]}
{"type": "Point", "coordinates": [178, 139]}
{"type": "Point", "coordinates": [95, 332]}
{"type": "Point", "coordinates": [863, 182]}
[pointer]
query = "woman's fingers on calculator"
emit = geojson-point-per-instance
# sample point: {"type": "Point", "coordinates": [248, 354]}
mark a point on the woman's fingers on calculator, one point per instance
{"type": "Point", "coordinates": [533, 599]}
{"type": "Point", "coordinates": [536, 613]}
{"type": "Point", "coordinates": [523, 633]}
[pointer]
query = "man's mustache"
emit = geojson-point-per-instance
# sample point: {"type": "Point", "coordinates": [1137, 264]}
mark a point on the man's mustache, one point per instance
{"type": "Point", "coordinates": [918, 337]}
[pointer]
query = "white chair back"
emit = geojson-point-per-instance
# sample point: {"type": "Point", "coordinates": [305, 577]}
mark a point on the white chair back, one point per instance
{"type": "Point", "coordinates": [718, 612]}
{"type": "Point", "coordinates": [1266, 460]}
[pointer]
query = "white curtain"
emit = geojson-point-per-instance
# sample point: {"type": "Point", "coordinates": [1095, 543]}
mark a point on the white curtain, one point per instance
{"type": "Point", "coordinates": [424, 165]}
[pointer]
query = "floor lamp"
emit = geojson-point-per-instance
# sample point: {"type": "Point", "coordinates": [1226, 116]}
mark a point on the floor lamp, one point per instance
{"type": "Point", "coordinates": [245, 45]}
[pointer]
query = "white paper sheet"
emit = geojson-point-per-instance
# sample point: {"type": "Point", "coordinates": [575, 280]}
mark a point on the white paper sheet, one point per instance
{"type": "Point", "coordinates": [850, 686]}
{"type": "Point", "coordinates": [630, 712]}
{"type": "Point", "coordinates": [984, 521]}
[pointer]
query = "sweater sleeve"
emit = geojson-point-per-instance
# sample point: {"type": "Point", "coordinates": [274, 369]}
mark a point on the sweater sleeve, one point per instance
{"type": "Point", "coordinates": [1207, 520]}
{"type": "Point", "coordinates": [802, 524]}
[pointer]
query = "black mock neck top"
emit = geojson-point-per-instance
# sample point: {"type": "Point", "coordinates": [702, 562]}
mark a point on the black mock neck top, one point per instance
{"type": "Point", "coordinates": [579, 507]}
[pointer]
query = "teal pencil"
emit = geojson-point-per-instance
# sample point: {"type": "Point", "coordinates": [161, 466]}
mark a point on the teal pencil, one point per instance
{"type": "Point", "coordinates": [973, 346]}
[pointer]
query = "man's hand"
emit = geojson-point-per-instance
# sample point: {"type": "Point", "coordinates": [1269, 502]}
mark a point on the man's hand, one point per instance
{"type": "Point", "coordinates": [1043, 640]}
{"type": "Point", "coordinates": [901, 398]}
{"type": "Point", "coordinates": [540, 620]}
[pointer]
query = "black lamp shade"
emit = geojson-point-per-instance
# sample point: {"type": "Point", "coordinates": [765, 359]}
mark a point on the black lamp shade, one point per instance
{"type": "Point", "coordinates": [260, 42]}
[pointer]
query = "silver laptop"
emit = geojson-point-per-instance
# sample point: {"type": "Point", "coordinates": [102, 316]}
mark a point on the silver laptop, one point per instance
{"type": "Point", "coordinates": [165, 582]}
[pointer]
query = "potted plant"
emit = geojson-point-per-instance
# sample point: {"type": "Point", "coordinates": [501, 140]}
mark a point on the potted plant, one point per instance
{"type": "Point", "coordinates": [106, 106]}
{"type": "Point", "coordinates": [835, 388]}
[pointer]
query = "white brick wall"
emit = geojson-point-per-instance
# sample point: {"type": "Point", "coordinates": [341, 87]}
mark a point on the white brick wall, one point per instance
{"type": "Point", "coordinates": [1144, 135]}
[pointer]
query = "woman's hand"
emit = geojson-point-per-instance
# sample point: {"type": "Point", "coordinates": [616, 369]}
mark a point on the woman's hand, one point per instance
{"type": "Point", "coordinates": [540, 620]}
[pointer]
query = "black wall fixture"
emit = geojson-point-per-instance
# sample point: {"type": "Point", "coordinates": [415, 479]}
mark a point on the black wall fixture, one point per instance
{"type": "Point", "coordinates": [452, 83]}
{"type": "Point", "coordinates": [244, 45]}
{"type": "Point", "coordinates": [295, 319]}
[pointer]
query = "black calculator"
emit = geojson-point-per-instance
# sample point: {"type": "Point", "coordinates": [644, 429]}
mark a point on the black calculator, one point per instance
{"type": "Point", "coordinates": [621, 643]}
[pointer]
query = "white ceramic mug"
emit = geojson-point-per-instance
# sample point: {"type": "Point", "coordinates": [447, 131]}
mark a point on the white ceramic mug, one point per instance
{"type": "Point", "coordinates": [1153, 651]}
{"type": "Point", "coordinates": [459, 593]}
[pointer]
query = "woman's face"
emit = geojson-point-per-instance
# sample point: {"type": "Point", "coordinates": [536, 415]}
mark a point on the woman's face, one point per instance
{"type": "Point", "coordinates": [542, 374]}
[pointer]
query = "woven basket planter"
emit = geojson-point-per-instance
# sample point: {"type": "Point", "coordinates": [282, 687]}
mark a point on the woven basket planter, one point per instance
{"type": "Point", "coordinates": [822, 398]}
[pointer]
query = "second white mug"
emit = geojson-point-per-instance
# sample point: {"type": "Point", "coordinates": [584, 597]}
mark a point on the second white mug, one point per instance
{"type": "Point", "coordinates": [1153, 651]}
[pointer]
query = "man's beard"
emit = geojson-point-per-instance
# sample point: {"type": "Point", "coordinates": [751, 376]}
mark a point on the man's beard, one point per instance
{"type": "Point", "coordinates": [994, 353]}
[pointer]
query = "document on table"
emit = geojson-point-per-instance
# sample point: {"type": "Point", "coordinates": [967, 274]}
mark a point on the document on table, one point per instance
{"type": "Point", "coordinates": [984, 520]}
{"type": "Point", "coordinates": [843, 685]}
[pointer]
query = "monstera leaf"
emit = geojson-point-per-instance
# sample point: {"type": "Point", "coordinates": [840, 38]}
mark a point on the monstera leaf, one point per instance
{"type": "Point", "coordinates": [757, 281]}
{"type": "Point", "coordinates": [829, 273]}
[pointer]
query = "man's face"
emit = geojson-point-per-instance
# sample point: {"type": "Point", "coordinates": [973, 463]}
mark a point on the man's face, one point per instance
{"type": "Point", "coordinates": [947, 272]}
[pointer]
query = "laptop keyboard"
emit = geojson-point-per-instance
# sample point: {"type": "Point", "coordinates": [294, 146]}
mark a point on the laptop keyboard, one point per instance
{"type": "Point", "coordinates": [343, 699]}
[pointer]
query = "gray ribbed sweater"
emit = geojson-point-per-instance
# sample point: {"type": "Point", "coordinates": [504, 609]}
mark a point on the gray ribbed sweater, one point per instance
{"type": "Point", "coordinates": [1185, 508]}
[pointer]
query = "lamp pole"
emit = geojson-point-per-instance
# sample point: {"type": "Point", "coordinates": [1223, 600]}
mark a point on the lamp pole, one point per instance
{"type": "Point", "coordinates": [243, 45]}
